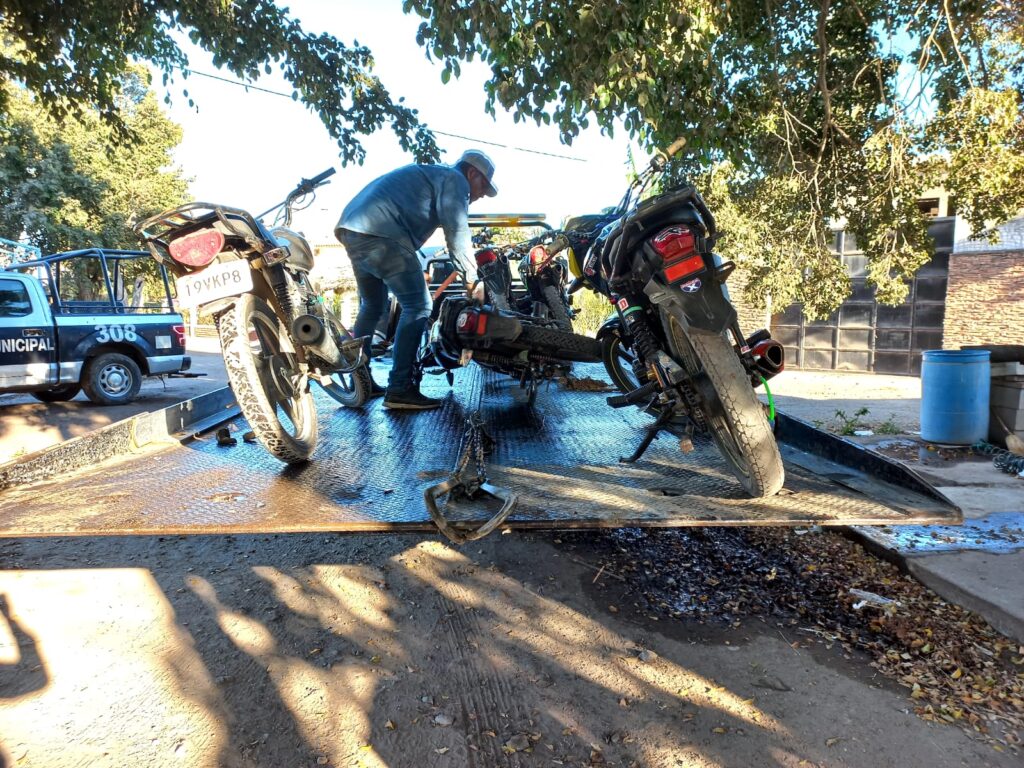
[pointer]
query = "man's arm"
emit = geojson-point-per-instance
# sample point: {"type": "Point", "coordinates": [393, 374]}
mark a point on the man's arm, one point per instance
{"type": "Point", "coordinates": [453, 211]}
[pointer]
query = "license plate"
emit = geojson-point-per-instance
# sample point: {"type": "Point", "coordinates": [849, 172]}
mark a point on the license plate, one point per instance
{"type": "Point", "coordinates": [229, 278]}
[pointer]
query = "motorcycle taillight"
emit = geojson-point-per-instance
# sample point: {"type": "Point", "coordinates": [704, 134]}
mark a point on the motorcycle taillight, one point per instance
{"type": "Point", "coordinates": [197, 249]}
{"type": "Point", "coordinates": [485, 256]}
{"type": "Point", "coordinates": [538, 254]}
{"type": "Point", "coordinates": [676, 246]}
{"type": "Point", "coordinates": [471, 322]}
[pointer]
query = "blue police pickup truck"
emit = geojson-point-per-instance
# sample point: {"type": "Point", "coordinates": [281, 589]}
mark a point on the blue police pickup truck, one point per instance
{"type": "Point", "coordinates": [97, 320]}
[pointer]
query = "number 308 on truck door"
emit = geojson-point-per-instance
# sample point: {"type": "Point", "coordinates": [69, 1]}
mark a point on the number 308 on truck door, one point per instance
{"type": "Point", "coordinates": [115, 333]}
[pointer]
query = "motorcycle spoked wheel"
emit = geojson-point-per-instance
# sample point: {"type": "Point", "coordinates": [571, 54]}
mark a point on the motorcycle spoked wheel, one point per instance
{"type": "Point", "coordinates": [741, 431]}
{"type": "Point", "coordinates": [352, 390]}
{"type": "Point", "coordinates": [262, 374]}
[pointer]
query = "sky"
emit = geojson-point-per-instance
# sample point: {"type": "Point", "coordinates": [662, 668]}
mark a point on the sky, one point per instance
{"type": "Point", "coordinates": [247, 149]}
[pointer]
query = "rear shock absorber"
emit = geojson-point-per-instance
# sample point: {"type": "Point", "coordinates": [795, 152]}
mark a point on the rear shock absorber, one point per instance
{"type": "Point", "coordinates": [635, 320]}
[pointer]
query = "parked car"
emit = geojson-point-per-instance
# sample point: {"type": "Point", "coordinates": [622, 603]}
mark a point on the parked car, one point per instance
{"type": "Point", "coordinates": [82, 320]}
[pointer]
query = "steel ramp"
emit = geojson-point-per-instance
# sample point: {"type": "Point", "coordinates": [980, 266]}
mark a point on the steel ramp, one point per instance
{"type": "Point", "coordinates": [372, 465]}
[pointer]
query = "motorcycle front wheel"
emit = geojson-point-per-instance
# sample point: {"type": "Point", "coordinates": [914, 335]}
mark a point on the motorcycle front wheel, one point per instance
{"type": "Point", "coordinates": [559, 313]}
{"type": "Point", "coordinates": [618, 359]}
{"type": "Point", "coordinates": [265, 376]}
{"type": "Point", "coordinates": [741, 431]}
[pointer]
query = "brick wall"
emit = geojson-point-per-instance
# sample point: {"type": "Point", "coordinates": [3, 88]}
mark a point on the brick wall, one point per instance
{"type": "Point", "coordinates": [985, 297]}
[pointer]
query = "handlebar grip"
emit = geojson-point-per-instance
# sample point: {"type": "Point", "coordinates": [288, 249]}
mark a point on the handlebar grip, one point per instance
{"type": "Point", "coordinates": [675, 146]}
{"type": "Point", "coordinates": [321, 177]}
{"type": "Point", "coordinates": [559, 244]}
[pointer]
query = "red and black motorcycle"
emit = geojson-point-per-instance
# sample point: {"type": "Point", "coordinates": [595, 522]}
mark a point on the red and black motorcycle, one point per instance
{"type": "Point", "coordinates": [674, 346]}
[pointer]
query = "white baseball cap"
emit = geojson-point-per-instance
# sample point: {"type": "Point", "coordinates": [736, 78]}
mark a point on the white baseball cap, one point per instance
{"type": "Point", "coordinates": [482, 163]}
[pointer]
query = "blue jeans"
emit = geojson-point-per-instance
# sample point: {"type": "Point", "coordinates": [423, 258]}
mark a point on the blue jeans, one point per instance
{"type": "Point", "coordinates": [381, 264]}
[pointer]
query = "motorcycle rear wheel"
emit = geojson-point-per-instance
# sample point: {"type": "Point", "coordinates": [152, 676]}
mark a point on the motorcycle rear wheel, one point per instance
{"type": "Point", "coordinates": [350, 389]}
{"type": "Point", "coordinates": [262, 371]}
{"type": "Point", "coordinates": [741, 431]}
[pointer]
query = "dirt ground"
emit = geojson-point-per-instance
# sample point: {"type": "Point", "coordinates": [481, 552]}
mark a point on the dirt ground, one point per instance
{"type": "Point", "coordinates": [404, 650]}
{"type": "Point", "coordinates": [386, 650]}
{"type": "Point", "coordinates": [832, 398]}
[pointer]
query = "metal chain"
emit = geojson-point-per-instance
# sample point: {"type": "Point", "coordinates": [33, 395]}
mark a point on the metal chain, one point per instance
{"type": "Point", "coordinates": [472, 447]}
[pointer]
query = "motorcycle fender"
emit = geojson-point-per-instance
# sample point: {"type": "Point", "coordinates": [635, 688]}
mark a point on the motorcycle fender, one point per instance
{"type": "Point", "coordinates": [610, 327]}
{"type": "Point", "coordinates": [703, 306]}
{"type": "Point", "coordinates": [500, 327]}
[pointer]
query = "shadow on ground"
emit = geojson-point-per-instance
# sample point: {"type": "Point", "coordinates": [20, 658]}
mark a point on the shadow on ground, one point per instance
{"type": "Point", "coordinates": [385, 650]}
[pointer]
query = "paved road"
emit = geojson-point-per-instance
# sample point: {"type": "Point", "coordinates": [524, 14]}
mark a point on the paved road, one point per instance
{"type": "Point", "coordinates": [27, 425]}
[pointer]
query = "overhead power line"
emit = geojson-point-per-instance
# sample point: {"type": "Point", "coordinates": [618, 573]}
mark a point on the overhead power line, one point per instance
{"type": "Point", "coordinates": [248, 86]}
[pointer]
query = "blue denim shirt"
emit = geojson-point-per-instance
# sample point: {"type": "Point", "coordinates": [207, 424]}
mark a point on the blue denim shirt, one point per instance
{"type": "Point", "coordinates": [409, 203]}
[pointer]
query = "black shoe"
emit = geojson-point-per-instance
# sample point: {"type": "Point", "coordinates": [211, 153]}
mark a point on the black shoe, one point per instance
{"type": "Point", "coordinates": [376, 390]}
{"type": "Point", "coordinates": [410, 400]}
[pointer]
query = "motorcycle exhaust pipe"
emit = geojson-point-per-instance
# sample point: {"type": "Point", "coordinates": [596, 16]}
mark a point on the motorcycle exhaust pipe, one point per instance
{"type": "Point", "coordinates": [770, 357]}
{"type": "Point", "coordinates": [311, 333]}
{"type": "Point", "coordinates": [757, 337]}
{"type": "Point", "coordinates": [308, 330]}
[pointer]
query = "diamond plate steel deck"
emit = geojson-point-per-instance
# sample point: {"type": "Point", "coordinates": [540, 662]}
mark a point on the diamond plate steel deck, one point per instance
{"type": "Point", "coordinates": [371, 466]}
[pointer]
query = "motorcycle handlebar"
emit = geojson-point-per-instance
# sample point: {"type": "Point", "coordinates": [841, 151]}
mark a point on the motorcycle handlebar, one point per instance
{"type": "Point", "coordinates": [308, 185]}
{"type": "Point", "coordinates": [320, 177]}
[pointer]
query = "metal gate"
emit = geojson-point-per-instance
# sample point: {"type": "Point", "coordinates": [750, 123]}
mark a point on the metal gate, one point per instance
{"type": "Point", "coordinates": [863, 335]}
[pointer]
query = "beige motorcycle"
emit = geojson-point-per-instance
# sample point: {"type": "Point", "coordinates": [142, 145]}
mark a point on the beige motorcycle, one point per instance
{"type": "Point", "coordinates": [277, 335]}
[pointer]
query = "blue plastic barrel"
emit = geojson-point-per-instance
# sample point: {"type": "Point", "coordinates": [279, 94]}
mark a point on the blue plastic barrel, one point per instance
{"type": "Point", "coordinates": [954, 396]}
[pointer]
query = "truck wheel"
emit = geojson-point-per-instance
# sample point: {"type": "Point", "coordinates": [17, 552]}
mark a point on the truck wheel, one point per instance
{"type": "Point", "coordinates": [111, 379]}
{"type": "Point", "coordinates": [59, 394]}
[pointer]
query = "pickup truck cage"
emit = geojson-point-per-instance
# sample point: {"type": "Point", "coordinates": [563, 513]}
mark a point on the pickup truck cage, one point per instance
{"type": "Point", "coordinates": [48, 270]}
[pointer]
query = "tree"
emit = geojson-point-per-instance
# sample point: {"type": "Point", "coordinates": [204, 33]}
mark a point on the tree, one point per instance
{"type": "Point", "coordinates": [72, 56]}
{"type": "Point", "coordinates": [797, 112]}
{"type": "Point", "coordinates": [69, 185]}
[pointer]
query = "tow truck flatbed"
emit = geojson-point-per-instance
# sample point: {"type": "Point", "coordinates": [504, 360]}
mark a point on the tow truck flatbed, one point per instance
{"type": "Point", "coordinates": [562, 458]}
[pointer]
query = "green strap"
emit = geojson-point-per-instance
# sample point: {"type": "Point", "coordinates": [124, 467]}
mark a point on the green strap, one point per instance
{"type": "Point", "coordinates": [771, 400]}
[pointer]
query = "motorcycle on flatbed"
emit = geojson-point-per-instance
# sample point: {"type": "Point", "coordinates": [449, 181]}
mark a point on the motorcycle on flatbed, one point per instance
{"type": "Point", "coordinates": [530, 348]}
{"type": "Point", "coordinates": [674, 346]}
{"type": "Point", "coordinates": [276, 333]}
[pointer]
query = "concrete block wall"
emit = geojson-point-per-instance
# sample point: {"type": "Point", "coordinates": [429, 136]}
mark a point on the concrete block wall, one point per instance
{"type": "Point", "coordinates": [985, 297]}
